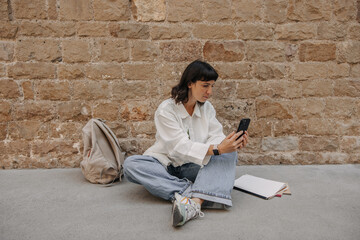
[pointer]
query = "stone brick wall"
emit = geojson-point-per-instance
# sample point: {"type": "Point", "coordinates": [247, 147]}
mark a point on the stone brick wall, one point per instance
{"type": "Point", "coordinates": [293, 67]}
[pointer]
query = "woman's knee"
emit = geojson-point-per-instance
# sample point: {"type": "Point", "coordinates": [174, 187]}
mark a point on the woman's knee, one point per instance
{"type": "Point", "coordinates": [131, 163]}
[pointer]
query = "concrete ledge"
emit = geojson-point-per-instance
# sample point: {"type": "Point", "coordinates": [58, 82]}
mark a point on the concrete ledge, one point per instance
{"type": "Point", "coordinates": [61, 204]}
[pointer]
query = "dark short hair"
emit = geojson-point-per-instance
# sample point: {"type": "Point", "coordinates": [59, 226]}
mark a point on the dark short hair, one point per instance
{"type": "Point", "coordinates": [195, 71]}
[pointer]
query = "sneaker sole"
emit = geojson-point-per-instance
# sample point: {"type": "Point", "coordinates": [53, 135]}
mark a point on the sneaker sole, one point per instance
{"type": "Point", "coordinates": [176, 216]}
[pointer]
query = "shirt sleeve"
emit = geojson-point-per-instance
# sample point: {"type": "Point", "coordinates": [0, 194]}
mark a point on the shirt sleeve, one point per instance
{"type": "Point", "coordinates": [177, 142]}
{"type": "Point", "coordinates": [216, 135]}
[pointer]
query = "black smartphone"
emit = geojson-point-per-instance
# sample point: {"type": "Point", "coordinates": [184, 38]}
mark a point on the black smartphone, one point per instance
{"type": "Point", "coordinates": [243, 126]}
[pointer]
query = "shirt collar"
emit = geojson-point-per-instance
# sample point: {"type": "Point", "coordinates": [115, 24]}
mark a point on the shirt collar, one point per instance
{"type": "Point", "coordinates": [184, 114]}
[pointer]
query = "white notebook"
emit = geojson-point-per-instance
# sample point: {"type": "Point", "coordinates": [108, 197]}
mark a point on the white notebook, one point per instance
{"type": "Point", "coordinates": [261, 187]}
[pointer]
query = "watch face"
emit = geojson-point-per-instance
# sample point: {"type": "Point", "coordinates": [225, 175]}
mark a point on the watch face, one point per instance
{"type": "Point", "coordinates": [216, 152]}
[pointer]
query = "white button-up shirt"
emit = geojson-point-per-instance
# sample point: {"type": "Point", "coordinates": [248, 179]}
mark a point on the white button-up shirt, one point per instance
{"type": "Point", "coordinates": [181, 138]}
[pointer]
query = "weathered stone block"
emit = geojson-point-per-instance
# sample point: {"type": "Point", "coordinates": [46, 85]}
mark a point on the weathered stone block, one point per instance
{"type": "Point", "coordinates": [317, 88]}
{"type": "Point", "coordinates": [246, 10]}
{"type": "Point", "coordinates": [267, 108]}
{"type": "Point", "coordinates": [233, 110]}
{"type": "Point", "coordinates": [295, 31]}
{"type": "Point", "coordinates": [349, 88]}
{"type": "Point", "coordinates": [306, 108]}
{"type": "Point", "coordinates": [16, 147]}
{"type": "Point", "coordinates": [347, 127]}
{"type": "Point", "coordinates": [248, 89]}
{"type": "Point", "coordinates": [6, 51]}
{"type": "Point", "coordinates": [91, 90]}
{"type": "Point", "coordinates": [73, 110]}
{"type": "Point", "coordinates": [92, 29]}
{"type": "Point", "coordinates": [317, 52]}
{"type": "Point", "coordinates": [305, 71]}
{"type": "Point", "coordinates": [281, 89]}
{"type": "Point", "coordinates": [114, 50]}
{"type": "Point", "coordinates": [251, 31]}
{"type": "Point", "coordinates": [354, 32]}
{"type": "Point", "coordinates": [8, 29]}
{"type": "Point", "coordinates": [66, 130]}
{"type": "Point", "coordinates": [149, 10]}
{"type": "Point", "coordinates": [2, 70]}
{"type": "Point", "coordinates": [4, 15]}
{"type": "Point", "coordinates": [331, 30]}
{"type": "Point", "coordinates": [47, 29]}
{"type": "Point", "coordinates": [275, 11]}
{"type": "Point", "coordinates": [130, 30]}
{"type": "Point", "coordinates": [111, 10]}
{"type": "Point", "coordinates": [333, 158]}
{"type": "Point", "coordinates": [265, 52]}
{"type": "Point", "coordinates": [355, 70]}
{"type": "Point", "coordinates": [71, 71]}
{"type": "Point", "coordinates": [283, 144]}
{"type": "Point", "coordinates": [55, 153]}
{"type": "Point", "coordinates": [143, 129]}
{"type": "Point", "coordinates": [120, 129]}
{"type": "Point", "coordinates": [76, 10]}
{"type": "Point", "coordinates": [321, 127]}
{"type": "Point", "coordinates": [42, 111]}
{"type": "Point", "coordinates": [224, 89]}
{"type": "Point", "coordinates": [5, 111]}
{"type": "Point", "coordinates": [233, 70]}
{"type": "Point", "coordinates": [28, 90]}
{"type": "Point", "coordinates": [103, 71]}
{"type": "Point", "coordinates": [50, 90]}
{"type": "Point", "coordinates": [288, 127]}
{"type": "Point", "coordinates": [186, 10]}
{"type": "Point", "coordinates": [108, 111]}
{"type": "Point", "coordinates": [136, 110]}
{"type": "Point", "coordinates": [264, 71]}
{"type": "Point", "coordinates": [217, 10]}
{"type": "Point", "coordinates": [315, 144]}
{"type": "Point", "coordinates": [38, 50]}
{"type": "Point", "coordinates": [304, 10]}
{"type": "Point", "coordinates": [259, 128]}
{"type": "Point", "coordinates": [9, 89]}
{"type": "Point", "coordinates": [341, 108]}
{"type": "Point", "coordinates": [29, 9]}
{"type": "Point", "coordinates": [224, 51]}
{"type": "Point", "coordinates": [22, 70]}
{"type": "Point", "coordinates": [28, 130]}
{"type": "Point", "coordinates": [3, 131]}
{"type": "Point", "coordinates": [180, 51]}
{"type": "Point", "coordinates": [139, 71]}
{"type": "Point", "coordinates": [76, 51]}
{"type": "Point", "coordinates": [129, 90]}
{"type": "Point", "coordinates": [169, 32]}
{"type": "Point", "coordinates": [349, 51]}
{"type": "Point", "coordinates": [350, 144]}
{"type": "Point", "coordinates": [52, 9]}
{"type": "Point", "coordinates": [344, 10]}
{"type": "Point", "coordinates": [206, 31]}
{"type": "Point", "coordinates": [144, 51]}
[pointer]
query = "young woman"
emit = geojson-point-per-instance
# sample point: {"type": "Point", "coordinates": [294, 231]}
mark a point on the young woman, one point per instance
{"type": "Point", "coordinates": [192, 163]}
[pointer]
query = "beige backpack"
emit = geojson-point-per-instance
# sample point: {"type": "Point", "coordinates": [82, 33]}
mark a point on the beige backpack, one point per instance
{"type": "Point", "coordinates": [102, 157]}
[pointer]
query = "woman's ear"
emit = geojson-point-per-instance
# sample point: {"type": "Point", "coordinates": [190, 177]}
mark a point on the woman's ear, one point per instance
{"type": "Point", "coordinates": [190, 84]}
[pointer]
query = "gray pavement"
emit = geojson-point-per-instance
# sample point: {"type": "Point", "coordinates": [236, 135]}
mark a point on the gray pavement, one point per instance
{"type": "Point", "coordinates": [61, 204]}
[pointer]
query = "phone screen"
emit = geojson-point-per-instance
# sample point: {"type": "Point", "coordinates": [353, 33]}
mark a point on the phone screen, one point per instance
{"type": "Point", "coordinates": [243, 126]}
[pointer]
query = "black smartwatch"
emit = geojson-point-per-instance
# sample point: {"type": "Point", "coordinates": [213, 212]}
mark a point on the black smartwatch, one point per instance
{"type": "Point", "coordinates": [215, 150]}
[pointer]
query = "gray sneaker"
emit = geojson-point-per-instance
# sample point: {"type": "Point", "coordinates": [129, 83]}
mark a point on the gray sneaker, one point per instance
{"type": "Point", "coordinates": [184, 209]}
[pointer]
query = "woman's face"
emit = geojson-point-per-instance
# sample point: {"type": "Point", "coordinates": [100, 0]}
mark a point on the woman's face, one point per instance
{"type": "Point", "coordinates": [201, 90]}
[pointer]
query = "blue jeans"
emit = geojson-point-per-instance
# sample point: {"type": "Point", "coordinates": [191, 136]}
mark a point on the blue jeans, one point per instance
{"type": "Point", "coordinates": [212, 183]}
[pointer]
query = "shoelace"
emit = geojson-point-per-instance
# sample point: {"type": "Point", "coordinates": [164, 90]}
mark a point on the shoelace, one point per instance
{"type": "Point", "coordinates": [192, 208]}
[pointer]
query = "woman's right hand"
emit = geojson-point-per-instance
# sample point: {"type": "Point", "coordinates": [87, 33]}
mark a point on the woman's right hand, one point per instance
{"type": "Point", "coordinates": [230, 144]}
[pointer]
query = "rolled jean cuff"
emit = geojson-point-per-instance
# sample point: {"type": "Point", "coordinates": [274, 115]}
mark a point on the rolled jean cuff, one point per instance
{"type": "Point", "coordinates": [212, 198]}
{"type": "Point", "coordinates": [186, 191]}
